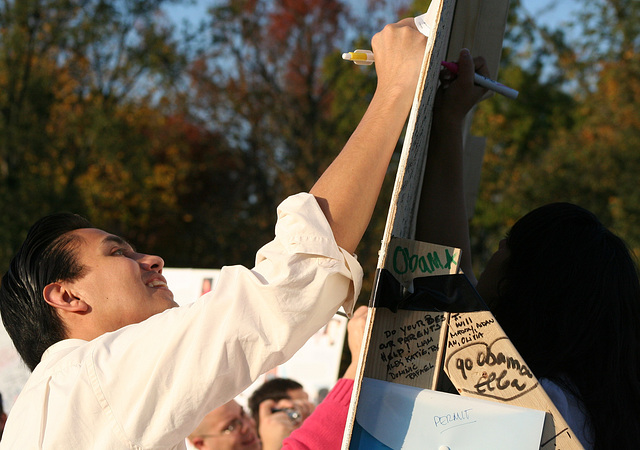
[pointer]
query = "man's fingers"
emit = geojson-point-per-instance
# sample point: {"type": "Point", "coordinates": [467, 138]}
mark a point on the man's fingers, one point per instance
{"type": "Point", "coordinates": [408, 22]}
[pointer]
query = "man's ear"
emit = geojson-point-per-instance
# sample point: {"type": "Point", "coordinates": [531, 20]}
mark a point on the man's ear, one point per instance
{"type": "Point", "coordinates": [59, 296]}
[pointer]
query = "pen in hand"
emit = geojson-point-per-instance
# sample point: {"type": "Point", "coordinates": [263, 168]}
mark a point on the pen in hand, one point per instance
{"type": "Point", "coordinates": [365, 57]}
{"type": "Point", "coordinates": [485, 82]}
{"type": "Point", "coordinates": [359, 57]}
{"type": "Point", "coordinates": [424, 24]}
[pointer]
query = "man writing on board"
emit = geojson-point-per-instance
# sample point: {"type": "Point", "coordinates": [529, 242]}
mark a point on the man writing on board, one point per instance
{"type": "Point", "coordinates": [117, 365]}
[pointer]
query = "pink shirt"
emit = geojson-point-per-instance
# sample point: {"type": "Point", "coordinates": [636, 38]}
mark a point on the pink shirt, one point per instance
{"type": "Point", "coordinates": [324, 428]}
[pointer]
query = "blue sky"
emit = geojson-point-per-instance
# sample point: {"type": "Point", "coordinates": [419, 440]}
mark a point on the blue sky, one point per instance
{"type": "Point", "coordinates": [551, 12]}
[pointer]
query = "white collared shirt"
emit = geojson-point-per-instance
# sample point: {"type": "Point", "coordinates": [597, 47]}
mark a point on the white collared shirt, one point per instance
{"type": "Point", "coordinates": [148, 385]}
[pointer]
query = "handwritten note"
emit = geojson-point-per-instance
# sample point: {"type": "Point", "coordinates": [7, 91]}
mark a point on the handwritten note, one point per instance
{"type": "Point", "coordinates": [405, 347]}
{"type": "Point", "coordinates": [465, 329]}
{"type": "Point", "coordinates": [482, 361]}
{"type": "Point", "coordinates": [408, 259]}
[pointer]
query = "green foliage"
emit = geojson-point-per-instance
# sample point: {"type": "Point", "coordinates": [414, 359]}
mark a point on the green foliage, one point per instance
{"type": "Point", "coordinates": [106, 111]}
{"type": "Point", "coordinates": [518, 134]}
{"type": "Point", "coordinates": [70, 71]}
{"type": "Point", "coordinates": [573, 134]}
{"type": "Point", "coordinates": [273, 82]}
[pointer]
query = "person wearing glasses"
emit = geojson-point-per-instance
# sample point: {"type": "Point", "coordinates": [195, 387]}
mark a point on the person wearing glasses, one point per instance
{"type": "Point", "coordinates": [228, 427]}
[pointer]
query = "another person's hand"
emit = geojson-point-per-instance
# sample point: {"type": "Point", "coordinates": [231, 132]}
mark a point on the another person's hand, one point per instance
{"type": "Point", "coordinates": [276, 426]}
{"type": "Point", "coordinates": [458, 93]}
{"type": "Point", "coordinates": [355, 336]}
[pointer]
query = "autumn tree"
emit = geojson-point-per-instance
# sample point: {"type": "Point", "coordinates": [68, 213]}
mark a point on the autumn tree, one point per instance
{"type": "Point", "coordinates": [572, 135]}
{"type": "Point", "coordinates": [72, 75]}
{"type": "Point", "coordinates": [97, 119]}
{"type": "Point", "coordinates": [273, 82]}
{"type": "Point", "coordinates": [595, 163]}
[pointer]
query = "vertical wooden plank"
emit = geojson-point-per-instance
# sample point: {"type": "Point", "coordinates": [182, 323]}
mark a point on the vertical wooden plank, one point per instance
{"type": "Point", "coordinates": [403, 208]}
{"type": "Point", "coordinates": [400, 219]}
{"type": "Point", "coordinates": [479, 26]}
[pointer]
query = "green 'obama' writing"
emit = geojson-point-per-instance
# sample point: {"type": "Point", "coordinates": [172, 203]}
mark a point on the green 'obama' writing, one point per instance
{"type": "Point", "coordinates": [404, 262]}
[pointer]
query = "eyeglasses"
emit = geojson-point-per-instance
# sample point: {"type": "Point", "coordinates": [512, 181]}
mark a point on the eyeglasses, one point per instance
{"type": "Point", "coordinates": [235, 426]}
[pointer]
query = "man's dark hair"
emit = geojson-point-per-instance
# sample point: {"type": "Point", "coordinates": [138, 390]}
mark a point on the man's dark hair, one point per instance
{"type": "Point", "coordinates": [47, 255]}
{"type": "Point", "coordinates": [274, 389]}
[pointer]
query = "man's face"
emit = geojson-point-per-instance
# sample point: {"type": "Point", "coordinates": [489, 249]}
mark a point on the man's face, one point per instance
{"type": "Point", "coordinates": [120, 285]}
{"type": "Point", "coordinates": [227, 428]}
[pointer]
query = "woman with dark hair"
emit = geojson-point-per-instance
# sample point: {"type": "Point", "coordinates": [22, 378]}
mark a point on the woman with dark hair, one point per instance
{"type": "Point", "coordinates": [563, 287]}
{"type": "Point", "coordinates": [570, 302]}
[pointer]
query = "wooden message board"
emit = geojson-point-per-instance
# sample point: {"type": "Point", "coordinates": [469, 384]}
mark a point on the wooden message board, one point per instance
{"type": "Point", "coordinates": [478, 25]}
{"type": "Point", "coordinates": [482, 362]}
{"type": "Point", "coordinates": [405, 348]}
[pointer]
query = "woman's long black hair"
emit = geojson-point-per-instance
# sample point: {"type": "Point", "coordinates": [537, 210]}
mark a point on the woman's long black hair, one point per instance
{"type": "Point", "coordinates": [570, 303]}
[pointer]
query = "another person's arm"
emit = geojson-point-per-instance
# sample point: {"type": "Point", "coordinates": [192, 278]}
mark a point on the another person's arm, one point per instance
{"type": "Point", "coordinates": [442, 217]}
{"type": "Point", "coordinates": [324, 428]}
{"type": "Point", "coordinates": [355, 335]}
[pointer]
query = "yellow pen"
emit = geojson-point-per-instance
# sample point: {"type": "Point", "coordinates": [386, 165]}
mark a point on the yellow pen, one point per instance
{"type": "Point", "coordinates": [360, 57]}
{"type": "Point", "coordinates": [424, 24]}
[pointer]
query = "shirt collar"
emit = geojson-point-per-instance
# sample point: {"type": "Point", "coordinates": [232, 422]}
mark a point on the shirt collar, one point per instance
{"type": "Point", "coordinates": [62, 345]}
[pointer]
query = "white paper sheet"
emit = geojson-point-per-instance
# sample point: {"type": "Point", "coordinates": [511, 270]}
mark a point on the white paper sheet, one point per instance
{"type": "Point", "coordinates": [404, 417]}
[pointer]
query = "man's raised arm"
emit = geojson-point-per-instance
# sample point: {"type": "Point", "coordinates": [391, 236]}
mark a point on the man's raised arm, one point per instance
{"type": "Point", "coordinates": [348, 190]}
